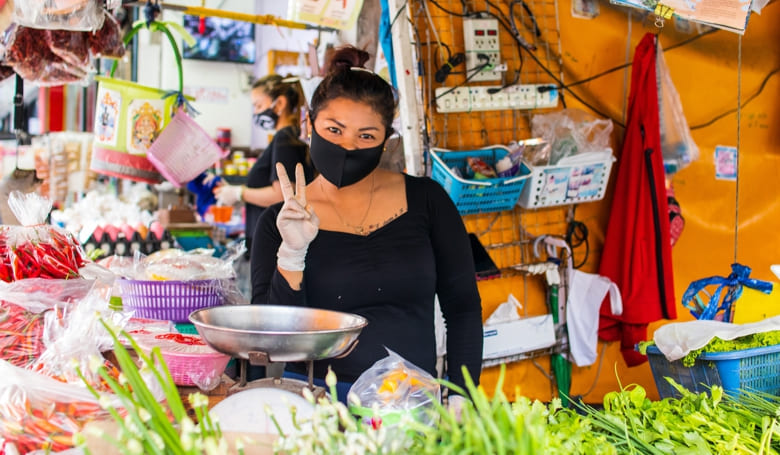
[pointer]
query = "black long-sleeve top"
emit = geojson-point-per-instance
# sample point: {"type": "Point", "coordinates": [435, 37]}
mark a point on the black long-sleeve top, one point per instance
{"type": "Point", "coordinates": [389, 277]}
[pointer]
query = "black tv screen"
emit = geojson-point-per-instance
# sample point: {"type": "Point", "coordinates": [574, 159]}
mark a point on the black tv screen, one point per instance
{"type": "Point", "coordinates": [222, 40]}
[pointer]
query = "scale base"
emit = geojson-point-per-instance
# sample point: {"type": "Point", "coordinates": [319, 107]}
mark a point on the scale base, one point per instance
{"type": "Point", "coordinates": [291, 385]}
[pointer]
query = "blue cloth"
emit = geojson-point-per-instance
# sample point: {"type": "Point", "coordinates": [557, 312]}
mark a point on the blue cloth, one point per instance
{"type": "Point", "coordinates": [739, 277]}
{"type": "Point", "coordinates": [342, 388]}
{"type": "Point", "coordinates": [204, 192]}
{"type": "Point", "coordinates": [386, 39]}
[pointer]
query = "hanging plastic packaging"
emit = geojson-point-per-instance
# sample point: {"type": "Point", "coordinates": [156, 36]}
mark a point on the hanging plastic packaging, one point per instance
{"type": "Point", "coordinates": [572, 132]}
{"type": "Point", "coordinates": [84, 15]}
{"type": "Point", "coordinates": [28, 53]}
{"type": "Point", "coordinates": [677, 145]}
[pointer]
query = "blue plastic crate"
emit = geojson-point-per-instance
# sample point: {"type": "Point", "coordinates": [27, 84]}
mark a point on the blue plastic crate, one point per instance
{"type": "Point", "coordinates": [756, 369]}
{"type": "Point", "coordinates": [477, 196]}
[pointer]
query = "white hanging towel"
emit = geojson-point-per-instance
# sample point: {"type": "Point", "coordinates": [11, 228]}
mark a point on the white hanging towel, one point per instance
{"type": "Point", "coordinates": [586, 292]}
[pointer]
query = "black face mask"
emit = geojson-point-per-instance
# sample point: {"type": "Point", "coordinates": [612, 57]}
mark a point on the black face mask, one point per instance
{"type": "Point", "coordinates": [267, 119]}
{"type": "Point", "coordinates": [340, 166]}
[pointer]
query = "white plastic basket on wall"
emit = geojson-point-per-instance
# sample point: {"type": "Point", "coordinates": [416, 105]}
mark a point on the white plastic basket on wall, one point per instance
{"type": "Point", "coordinates": [581, 178]}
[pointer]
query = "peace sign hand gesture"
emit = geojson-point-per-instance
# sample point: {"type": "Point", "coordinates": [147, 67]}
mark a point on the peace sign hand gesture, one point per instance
{"type": "Point", "coordinates": [297, 223]}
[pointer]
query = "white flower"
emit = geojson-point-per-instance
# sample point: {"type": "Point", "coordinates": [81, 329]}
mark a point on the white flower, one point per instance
{"type": "Point", "coordinates": [308, 395]}
{"type": "Point", "coordinates": [135, 447]}
{"type": "Point", "coordinates": [105, 401]}
{"type": "Point", "coordinates": [95, 363]}
{"type": "Point", "coordinates": [122, 379]}
{"type": "Point", "coordinates": [187, 426]}
{"type": "Point", "coordinates": [330, 378]}
{"type": "Point", "coordinates": [198, 400]}
{"type": "Point", "coordinates": [144, 415]}
{"type": "Point", "coordinates": [157, 440]}
{"type": "Point", "coordinates": [353, 399]}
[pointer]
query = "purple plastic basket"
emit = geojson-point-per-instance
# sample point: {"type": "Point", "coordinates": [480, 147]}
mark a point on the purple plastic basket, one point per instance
{"type": "Point", "coordinates": [169, 300]}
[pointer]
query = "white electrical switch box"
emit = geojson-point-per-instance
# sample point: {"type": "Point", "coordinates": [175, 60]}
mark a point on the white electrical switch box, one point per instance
{"type": "Point", "coordinates": [480, 38]}
{"type": "Point", "coordinates": [495, 97]}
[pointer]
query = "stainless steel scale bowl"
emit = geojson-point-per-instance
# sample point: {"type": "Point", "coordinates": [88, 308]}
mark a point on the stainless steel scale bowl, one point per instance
{"type": "Point", "coordinates": [262, 334]}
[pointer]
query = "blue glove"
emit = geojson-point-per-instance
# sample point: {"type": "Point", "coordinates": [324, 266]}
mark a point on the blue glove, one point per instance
{"type": "Point", "coordinates": [202, 187]}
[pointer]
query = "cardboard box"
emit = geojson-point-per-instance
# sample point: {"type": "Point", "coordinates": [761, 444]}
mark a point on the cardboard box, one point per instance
{"type": "Point", "coordinates": [515, 337]}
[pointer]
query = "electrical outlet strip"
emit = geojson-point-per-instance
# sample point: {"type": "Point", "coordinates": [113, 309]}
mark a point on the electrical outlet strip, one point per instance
{"type": "Point", "coordinates": [480, 37]}
{"type": "Point", "coordinates": [477, 98]}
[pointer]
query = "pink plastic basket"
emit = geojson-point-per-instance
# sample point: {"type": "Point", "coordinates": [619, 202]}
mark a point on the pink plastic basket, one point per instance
{"type": "Point", "coordinates": [196, 369]}
{"type": "Point", "coordinates": [183, 150]}
{"type": "Point", "coordinates": [169, 300]}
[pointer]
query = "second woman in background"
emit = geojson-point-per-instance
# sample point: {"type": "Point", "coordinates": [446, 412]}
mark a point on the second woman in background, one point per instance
{"type": "Point", "coordinates": [276, 105]}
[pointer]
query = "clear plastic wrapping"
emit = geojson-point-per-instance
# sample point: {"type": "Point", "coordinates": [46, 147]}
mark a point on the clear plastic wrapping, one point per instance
{"type": "Point", "coordinates": [572, 132]}
{"type": "Point", "coordinates": [394, 387]}
{"type": "Point", "coordinates": [27, 308]}
{"type": "Point", "coordinates": [28, 53]}
{"type": "Point", "coordinates": [83, 15]}
{"type": "Point", "coordinates": [107, 41]}
{"type": "Point", "coordinates": [71, 47]}
{"type": "Point", "coordinates": [38, 412]}
{"type": "Point", "coordinates": [36, 249]}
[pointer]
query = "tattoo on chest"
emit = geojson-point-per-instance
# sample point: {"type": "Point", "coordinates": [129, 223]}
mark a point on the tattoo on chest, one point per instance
{"type": "Point", "coordinates": [395, 215]}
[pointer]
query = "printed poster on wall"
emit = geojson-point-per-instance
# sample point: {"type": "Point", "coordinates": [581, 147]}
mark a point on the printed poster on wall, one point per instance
{"type": "Point", "coordinates": [339, 14]}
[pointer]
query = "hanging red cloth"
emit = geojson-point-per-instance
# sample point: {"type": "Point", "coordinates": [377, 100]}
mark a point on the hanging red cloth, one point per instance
{"type": "Point", "coordinates": [637, 253]}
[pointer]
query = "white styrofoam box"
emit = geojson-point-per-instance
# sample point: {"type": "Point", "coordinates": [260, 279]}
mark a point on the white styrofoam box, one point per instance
{"type": "Point", "coordinates": [577, 179]}
{"type": "Point", "coordinates": [515, 337]}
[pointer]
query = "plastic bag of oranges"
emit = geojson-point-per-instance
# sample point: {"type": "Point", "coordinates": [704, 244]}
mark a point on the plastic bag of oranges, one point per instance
{"type": "Point", "coordinates": [393, 387]}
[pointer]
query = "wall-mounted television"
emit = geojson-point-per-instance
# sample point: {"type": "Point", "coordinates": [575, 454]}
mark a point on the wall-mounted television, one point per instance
{"type": "Point", "coordinates": [222, 40]}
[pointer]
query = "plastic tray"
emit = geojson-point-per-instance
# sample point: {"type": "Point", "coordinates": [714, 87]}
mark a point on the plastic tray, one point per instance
{"type": "Point", "coordinates": [169, 300]}
{"type": "Point", "coordinates": [755, 369]}
{"type": "Point", "coordinates": [585, 181]}
{"type": "Point", "coordinates": [477, 196]}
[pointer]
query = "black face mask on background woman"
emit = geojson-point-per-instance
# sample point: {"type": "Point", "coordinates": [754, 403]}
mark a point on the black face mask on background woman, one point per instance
{"type": "Point", "coordinates": [340, 166]}
{"type": "Point", "coordinates": [267, 119]}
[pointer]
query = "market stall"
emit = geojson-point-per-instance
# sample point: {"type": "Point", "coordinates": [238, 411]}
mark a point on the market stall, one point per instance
{"type": "Point", "coordinates": [602, 212]}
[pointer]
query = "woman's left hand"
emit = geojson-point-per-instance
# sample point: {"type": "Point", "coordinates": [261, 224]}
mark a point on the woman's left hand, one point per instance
{"type": "Point", "coordinates": [229, 194]}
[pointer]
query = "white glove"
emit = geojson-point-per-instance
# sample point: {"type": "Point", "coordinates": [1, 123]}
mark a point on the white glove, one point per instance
{"type": "Point", "coordinates": [297, 222]}
{"type": "Point", "coordinates": [455, 405]}
{"type": "Point", "coordinates": [228, 194]}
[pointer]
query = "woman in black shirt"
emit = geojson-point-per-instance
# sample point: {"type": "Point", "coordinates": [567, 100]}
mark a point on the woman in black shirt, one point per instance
{"type": "Point", "coordinates": [276, 103]}
{"type": "Point", "coordinates": [373, 242]}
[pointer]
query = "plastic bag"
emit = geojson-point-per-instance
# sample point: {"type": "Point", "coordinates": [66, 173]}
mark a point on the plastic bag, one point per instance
{"type": "Point", "coordinates": [27, 308]}
{"type": "Point", "coordinates": [198, 264]}
{"type": "Point", "coordinates": [72, 47]}
{"type": "Point", "coordinates": [107, 42]}
{"type": "Point", "coordinates": [505, 312]}
{"type": "Point", "coordinates": [572, 132]}
{"type": "Point", "coordinates": [28, 53]}
{"type": "Point", "coordinates": [37, 412]}
{"type": "Point", "coordinates": [394, 387]}
{"type": "Point", "coordinates": [677, 145]}
{"type": "Point", "coordinates": [677, 339]}
{"type": "Point", "coordinates": [37, 249]}
{"type": "Point", "coordinates": [79, 337]}
{"type": "Point", "coordinates": [84, 15]}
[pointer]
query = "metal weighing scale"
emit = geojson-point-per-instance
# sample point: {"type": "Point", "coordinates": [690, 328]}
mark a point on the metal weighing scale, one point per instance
{"type": "Point", "coordinates": [264, 334]}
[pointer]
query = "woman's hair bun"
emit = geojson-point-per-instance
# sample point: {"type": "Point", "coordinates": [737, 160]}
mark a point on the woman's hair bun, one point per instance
{"type": "Point", "coordinates": [346, 57]}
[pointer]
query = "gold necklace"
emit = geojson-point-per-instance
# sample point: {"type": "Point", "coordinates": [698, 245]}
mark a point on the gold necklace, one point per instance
{"type": "Point", "coordinates": [358, 229]}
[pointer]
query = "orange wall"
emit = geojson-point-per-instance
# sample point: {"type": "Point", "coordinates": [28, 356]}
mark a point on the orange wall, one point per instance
{"type": "Point", "coordinates": [705, 73]}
